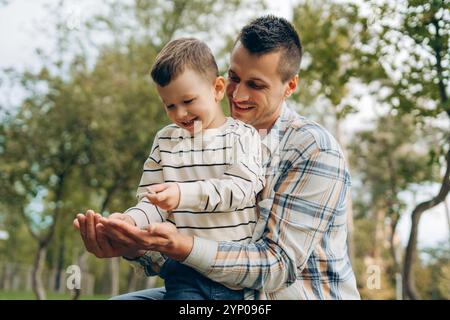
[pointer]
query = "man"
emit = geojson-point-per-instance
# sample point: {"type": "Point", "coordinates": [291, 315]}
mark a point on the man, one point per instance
{"type": "Point", "coordinates": [298, 249]}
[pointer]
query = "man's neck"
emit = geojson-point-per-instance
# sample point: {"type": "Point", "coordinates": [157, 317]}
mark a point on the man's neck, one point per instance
{"type": "Point", "coordinates": [264, 129]}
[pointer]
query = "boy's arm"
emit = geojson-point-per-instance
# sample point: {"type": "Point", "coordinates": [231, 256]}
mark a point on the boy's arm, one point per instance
{"type": "Point", "coordinates": [144, 212]}
{"type": "Point", "coordinates": [237, 187]}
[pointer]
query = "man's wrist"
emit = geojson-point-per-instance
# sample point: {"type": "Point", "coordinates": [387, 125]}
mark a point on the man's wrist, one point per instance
{"type": "Point", "coordinates": [182, 247]}
{"type": "Point", "coordinates": [203, 254]}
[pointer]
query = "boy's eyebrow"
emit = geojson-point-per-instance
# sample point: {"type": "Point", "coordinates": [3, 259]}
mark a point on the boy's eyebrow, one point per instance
{"type": "Point", "coordinates": [188, 96]}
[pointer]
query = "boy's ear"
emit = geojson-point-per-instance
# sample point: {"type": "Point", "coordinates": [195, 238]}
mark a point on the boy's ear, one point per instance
{"type": "Point", "coordinates": [219, 88]}
{"type": "Point", "coordinates": [292, 85]}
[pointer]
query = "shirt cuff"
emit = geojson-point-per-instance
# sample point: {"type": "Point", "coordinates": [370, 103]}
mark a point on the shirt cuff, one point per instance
{"type": "Point", "coordinates": [191, 196]}
{"type": "Point", "coordinates": [203, 255]}
{"type": "Point", "coordinates": [139, 217]}
{"type": "Point", "coordinates": [149, 264]}
{"type": "Point", "coordinates": [144, 213]}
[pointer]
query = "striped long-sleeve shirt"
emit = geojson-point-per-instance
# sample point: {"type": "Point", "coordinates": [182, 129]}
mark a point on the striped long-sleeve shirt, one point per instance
{"type": "Point", "coordinates": [219, 173]}
{"type": "Point", "coordinates": [299, 246]}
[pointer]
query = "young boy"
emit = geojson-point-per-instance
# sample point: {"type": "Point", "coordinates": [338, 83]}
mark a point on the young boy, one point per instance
{"type": "Point", "coordinates": [204, 170]}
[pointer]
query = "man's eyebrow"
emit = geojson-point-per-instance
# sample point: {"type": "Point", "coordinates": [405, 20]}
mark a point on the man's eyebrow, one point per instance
{"type": "Point", "coordinates": [258, 79]}
{"type": "Point", "coordinates": [252, 78]}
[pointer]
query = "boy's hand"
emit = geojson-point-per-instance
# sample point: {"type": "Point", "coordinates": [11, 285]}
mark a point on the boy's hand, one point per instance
{"type": "Point", "coordinates": [164, 195]}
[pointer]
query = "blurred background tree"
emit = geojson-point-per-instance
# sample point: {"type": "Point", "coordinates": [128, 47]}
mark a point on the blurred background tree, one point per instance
{"type": "Point", "coordinates": [413, 48]}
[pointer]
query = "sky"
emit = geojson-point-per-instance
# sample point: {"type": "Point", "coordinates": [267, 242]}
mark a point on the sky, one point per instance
{"type": "Point", "coordinates": [19, 37]}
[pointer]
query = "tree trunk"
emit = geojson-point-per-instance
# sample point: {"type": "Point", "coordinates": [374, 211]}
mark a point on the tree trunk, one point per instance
{"type": "Point", "coordinates": [151, 282]}
{"type": "Point", "coordinates": [38, 265]}
{"type": "Point", "coordinates": [132, 280]}
{"type": "Point", "coordinates": [60, 265]}
{"type": "Point", "coordinates": [82, 263]}
{"type": "Point", "coordinates": [447, 216]}
{"type": "Point", "coordinates": [408, 278]}
{"type": "Point", "coordinates": [114, 264]}
{"type": "Point", "coordinates": [392, 247]}
{"type": "Point", "coordinates": [380, 215]}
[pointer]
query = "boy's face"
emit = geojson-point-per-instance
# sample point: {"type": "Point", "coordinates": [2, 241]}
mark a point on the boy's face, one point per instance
{"type": "Point", "coordinates": [190, 97]}
{"type": "Point", "coordinates": [255, 90]}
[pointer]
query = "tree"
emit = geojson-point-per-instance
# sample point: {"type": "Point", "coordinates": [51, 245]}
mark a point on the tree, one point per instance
{"type": "Point", "coordinates": [389, 161]}
{"type": "Point", "coordinates": [414, 53]}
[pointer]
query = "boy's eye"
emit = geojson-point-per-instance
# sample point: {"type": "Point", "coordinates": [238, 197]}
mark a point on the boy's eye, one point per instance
{"type": "Point", "coordinates": [234, 79]}
{"type": "Point", "coordinates": [170, 106]}
{"type": "Point", "coordinates": [188, 101]}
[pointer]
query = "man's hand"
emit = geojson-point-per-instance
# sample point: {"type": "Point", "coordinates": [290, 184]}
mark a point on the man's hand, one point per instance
{"type": "Point", "coordinates": [96, 239]}
{"type": "Point", "coordinates": [162, 237]}
{"type": "Point", "coordinates": [164, 195]}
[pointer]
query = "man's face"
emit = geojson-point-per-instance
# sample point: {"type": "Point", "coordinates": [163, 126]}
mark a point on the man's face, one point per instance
{"type": "Point", "coordinates": [189, 98]}
{"type": "Point", "coordinates": [255, 90]}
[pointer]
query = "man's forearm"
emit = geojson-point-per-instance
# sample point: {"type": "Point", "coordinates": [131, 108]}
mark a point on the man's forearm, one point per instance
{"type": "Point", "coordinates": [269, 268]}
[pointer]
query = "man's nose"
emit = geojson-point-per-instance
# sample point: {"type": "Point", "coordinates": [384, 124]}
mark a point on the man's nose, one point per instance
{"type": "Point", "coordinates": [239, 93]}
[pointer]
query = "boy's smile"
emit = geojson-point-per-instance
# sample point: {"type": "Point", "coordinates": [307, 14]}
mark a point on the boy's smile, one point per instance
{"type": "Point", "coordinates": [192, 102]}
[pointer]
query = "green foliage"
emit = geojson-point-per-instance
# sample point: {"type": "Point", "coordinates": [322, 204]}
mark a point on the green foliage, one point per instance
{"type": "Point", "coordinates": [334, 36]}
{"type": "Point", "coordinates": [414, 54]}
{"type": "Point", "coordinates": [437, 264]}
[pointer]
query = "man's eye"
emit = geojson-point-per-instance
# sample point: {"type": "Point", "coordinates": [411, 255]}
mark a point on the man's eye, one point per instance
{"type": "Point", "coordinates": [188, 101]}
{"type": "Point", "coordinates": [255, 86]}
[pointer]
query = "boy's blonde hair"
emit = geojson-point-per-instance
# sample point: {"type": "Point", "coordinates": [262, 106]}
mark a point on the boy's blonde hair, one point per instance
{"type": "Point", "coordinates": [179, 54]}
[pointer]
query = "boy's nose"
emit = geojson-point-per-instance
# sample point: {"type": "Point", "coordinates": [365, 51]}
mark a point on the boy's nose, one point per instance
{"type": "Point", "coordinates": [181, 113]}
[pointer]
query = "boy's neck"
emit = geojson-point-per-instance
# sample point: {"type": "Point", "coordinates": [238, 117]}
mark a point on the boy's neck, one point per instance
{"type": "Point", "coordinates": [219, 120]}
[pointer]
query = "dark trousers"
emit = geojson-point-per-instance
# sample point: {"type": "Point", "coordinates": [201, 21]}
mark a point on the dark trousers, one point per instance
{"type": "Point", "coordinates": [184, 283]}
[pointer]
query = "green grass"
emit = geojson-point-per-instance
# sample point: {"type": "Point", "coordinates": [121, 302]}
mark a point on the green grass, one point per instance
{"type": "Point", "coordinates": [14, 295]}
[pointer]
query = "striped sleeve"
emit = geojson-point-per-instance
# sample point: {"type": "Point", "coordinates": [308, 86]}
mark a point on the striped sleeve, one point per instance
{"type": "Point", "coordinates": [237, 187]}
{"type": "Point", "coordinates": [144, 212]}
{"type": "Point", "coordinates": [308, 195]}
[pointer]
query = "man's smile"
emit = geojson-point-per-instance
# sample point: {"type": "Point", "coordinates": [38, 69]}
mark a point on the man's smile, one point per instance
{"type": "Point", "coordinates": [242, 108]}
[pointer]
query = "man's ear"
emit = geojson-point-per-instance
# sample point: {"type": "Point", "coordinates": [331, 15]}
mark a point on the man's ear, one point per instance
{"type": "Point", "coordinates": [219, 88]}
{"type": "Point", "coordinates": [292, 85]}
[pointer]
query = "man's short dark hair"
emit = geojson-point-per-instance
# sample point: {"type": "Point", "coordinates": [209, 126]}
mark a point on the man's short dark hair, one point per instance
{"type": "Point", "coordinates": [179, 54]}
{"type": "Point", "coordinates": [270, 34]}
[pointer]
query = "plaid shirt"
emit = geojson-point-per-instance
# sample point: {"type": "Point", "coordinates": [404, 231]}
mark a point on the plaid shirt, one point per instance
{"type": "Point", "coordinates": [299, 248]}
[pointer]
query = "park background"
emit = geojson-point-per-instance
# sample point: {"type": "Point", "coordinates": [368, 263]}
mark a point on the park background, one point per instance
{"type": "Point", "coordinates": [75, 93]}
